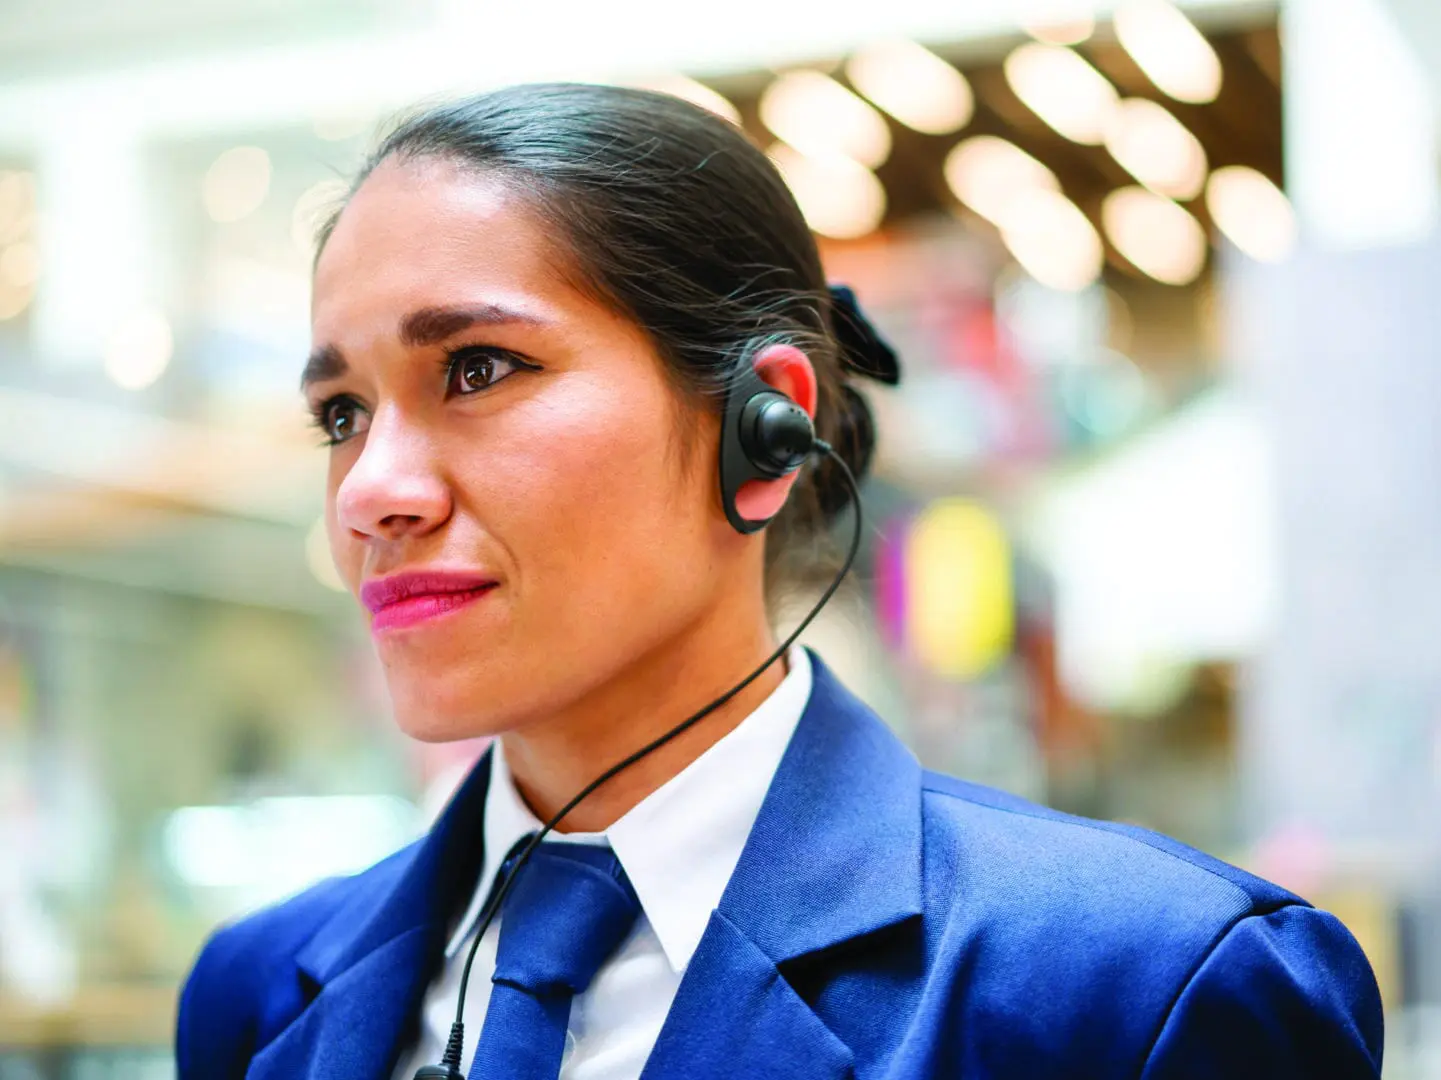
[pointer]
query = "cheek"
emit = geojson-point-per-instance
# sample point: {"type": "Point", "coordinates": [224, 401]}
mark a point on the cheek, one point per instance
{"type": "Point", "coordinates": [601, 454]}
{"type": "Point", "coordinates": [594, 493]}
{"type": "Point", "coordinates": [609, 538]}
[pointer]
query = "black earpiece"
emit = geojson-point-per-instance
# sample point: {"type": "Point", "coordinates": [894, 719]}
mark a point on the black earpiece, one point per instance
{"type": "Point", "coordinates": [764, 435]}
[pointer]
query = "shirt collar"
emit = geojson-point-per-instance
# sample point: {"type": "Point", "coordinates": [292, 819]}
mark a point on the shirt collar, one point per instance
{"type": "Point", "coordinates": [679, 845]}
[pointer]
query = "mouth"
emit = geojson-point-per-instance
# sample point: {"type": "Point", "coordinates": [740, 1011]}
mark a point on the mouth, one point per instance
{"type": "Point", "coordinates": [404, 600]}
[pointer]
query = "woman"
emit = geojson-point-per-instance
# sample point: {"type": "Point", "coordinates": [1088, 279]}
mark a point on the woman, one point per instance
{"type": "Point", "coordinates": [529, 319]}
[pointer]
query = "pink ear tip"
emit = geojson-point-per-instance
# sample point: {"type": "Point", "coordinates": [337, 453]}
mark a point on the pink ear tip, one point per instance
{"type": "Point", "coordinates": [760, 500]}
{"type": "Point", "coordinates": [789, 370]}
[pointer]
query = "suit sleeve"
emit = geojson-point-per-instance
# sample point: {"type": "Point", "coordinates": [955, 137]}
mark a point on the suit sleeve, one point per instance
{"type": "Point", "coordinates": [1285, 996]}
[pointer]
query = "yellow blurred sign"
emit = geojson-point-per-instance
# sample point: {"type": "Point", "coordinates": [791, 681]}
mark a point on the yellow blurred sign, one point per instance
{"type": "Point", "coordinates": [959, 598]}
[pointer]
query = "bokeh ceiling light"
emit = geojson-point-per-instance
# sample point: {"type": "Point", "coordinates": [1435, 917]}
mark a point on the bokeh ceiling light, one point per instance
{"type": "Point", "coordinates": [914, 85]}
{"type": "Point", "coordinates": [1058, 22]}
{"type": "Point", "coordinates": [1170, 50]}
{"type": "Point", "coordinates": [820, 117]}
{"type": "Point", "coordinates": [839, 197]}
{"type": "Point", "coordinates": [1159, 238]}
{"type": "Point", "coordinates": [236, 183]}
{"type": "Point", "coordinates": [697, 93]}
{"type": "Point", "coordinates": [1156, 148]}
{"type": "Point", "coordinates": [1252, 212]}
{"type": "Point", "coordinates": [20, 264]}
{"type": "Point", "coordinates": [1054, 241]}
{"type": "Point", "coordinates": [315, 203]}
{"type": "Point", "coordinates": [988, 174]}
{"type": "Point", "coordinates": [1060, 87]}
{"type": "Point", "coordinates": [139, 350]}
{"type": "Point", "coordinates": [17, 205]}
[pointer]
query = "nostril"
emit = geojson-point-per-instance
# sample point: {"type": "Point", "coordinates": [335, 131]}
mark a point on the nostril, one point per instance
{"type": "Point", "coordinates": [396, 523]}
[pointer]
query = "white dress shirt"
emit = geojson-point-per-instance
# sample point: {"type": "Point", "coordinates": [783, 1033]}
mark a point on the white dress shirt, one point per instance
{"type": "Point", "coordinates": [679, 847]}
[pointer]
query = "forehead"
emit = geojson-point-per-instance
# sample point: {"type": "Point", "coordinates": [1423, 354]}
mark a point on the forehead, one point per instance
{"type": "Point", "coordinates": [425, 232]}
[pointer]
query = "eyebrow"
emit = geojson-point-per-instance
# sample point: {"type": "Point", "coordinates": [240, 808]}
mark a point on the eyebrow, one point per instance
{"type": "Point", "coordinates": [325, 363]}
{"type": "Point", "coordinates": [425, 326]}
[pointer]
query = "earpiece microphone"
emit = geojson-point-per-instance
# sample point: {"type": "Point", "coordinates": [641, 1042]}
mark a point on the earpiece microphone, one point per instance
{"type": "Point", "coordinates": [780, 432]}
{"type": "Point", "coordinates": [764, 435]}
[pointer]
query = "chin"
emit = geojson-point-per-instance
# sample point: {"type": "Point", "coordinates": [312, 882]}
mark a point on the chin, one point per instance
{"type": "Point", "coordinates": [434, 711]}
{"type": "Point", "coordinates": [428, 730]}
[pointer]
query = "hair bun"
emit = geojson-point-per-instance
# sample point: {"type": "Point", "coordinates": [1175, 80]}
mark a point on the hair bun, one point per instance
{"type": "Point", "coordinates": [863, 350]}
{"type": "Point", "coordinates": [855, 441]}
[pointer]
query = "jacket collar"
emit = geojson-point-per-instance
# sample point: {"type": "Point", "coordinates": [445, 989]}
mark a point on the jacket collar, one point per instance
{"type": "Point", "coordinates": [835, 854]}
{"type": "Point", "coordinates": [680, 844]}
{"type": "Point", "coordinates": [836, 851]}
{"type": "Point", "coordinates": [826, 861]}
{"type": "Point", "coordinates": [834, 857]}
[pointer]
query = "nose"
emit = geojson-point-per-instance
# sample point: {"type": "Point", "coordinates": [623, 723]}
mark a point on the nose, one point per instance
{"type": "Point", "coordinates": [394, 489]}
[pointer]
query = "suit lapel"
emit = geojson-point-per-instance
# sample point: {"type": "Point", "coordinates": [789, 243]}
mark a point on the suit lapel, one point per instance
{"type": "Point", "coordinates": [351, 1030]}
{"type": "Point", "coordinates": [367, 967]}
{"type": "Point", "coordinates": [735, 1015]}
{"type": "Point", "coordinates": [834, 857]}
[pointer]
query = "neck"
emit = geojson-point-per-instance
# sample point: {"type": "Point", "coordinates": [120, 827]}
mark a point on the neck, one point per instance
{"type": "Point", "coordinates": [554, 760]}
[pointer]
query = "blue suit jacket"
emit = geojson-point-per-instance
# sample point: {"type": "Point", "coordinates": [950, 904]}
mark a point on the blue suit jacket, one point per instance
{"type": "Point", "coordinates": [883, 922]}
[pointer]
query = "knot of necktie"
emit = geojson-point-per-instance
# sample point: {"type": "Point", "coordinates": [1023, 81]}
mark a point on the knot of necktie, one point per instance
{"type": "Point", "coordinates": [569, 909]}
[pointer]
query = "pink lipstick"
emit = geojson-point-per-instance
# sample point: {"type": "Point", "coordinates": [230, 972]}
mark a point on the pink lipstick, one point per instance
{"type": "Point", "coordinates": [403, 600]}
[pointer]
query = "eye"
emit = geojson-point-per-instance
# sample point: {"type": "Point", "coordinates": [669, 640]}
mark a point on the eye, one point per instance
{"type": "Point", "coordinates": [475, 368]}
{"type": "Point", "coordinates": [340, 419]}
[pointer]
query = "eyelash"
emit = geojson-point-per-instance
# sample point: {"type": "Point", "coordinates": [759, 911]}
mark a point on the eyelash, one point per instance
{"type": "Point", "coordinates": [450, 365]}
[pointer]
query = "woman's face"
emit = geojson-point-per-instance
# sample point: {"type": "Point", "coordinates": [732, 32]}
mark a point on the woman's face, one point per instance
{"type": "Point", "coordinates": [499, 428]}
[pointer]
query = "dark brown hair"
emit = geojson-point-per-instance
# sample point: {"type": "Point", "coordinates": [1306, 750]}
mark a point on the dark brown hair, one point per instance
{"type": "Point", "coordinates": [679, 222]}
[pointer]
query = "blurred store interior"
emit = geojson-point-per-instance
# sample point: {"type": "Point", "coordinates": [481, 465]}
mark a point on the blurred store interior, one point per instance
{"type": "Point", "coordinates": [1154, 518]}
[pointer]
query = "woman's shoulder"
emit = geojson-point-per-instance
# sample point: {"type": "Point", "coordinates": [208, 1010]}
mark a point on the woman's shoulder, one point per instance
{"type": "Point", "coordinates": [993, 853]}
{"type": "Point", "coordinates": [1047, 883]}
{"type": "Point", "coordinates": [969, 825]}
{"type": "Point", "coordinates": [1103, 927]}
{"type": "Point", "coordinates": [242, 987]}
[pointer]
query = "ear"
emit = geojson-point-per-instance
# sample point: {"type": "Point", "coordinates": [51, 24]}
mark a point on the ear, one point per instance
{"type": "Point", "coordinates": [790, 371]}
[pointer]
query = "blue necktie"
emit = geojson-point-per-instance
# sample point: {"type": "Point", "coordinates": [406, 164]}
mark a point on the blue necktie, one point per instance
{"type": "Point", "coordinates": [570, 908]}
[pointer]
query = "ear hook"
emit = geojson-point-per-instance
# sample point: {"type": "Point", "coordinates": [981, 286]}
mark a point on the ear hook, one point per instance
{"type": "Point", "coordinates": [764, 436]}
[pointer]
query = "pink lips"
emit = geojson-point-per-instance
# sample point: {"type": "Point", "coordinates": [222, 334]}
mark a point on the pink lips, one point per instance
{"type": "Point", "coordinates": [406, 599]}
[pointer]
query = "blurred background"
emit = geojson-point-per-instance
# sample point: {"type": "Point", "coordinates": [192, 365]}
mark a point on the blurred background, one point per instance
{"type": "Point", "coordinates": [1155, 516]}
